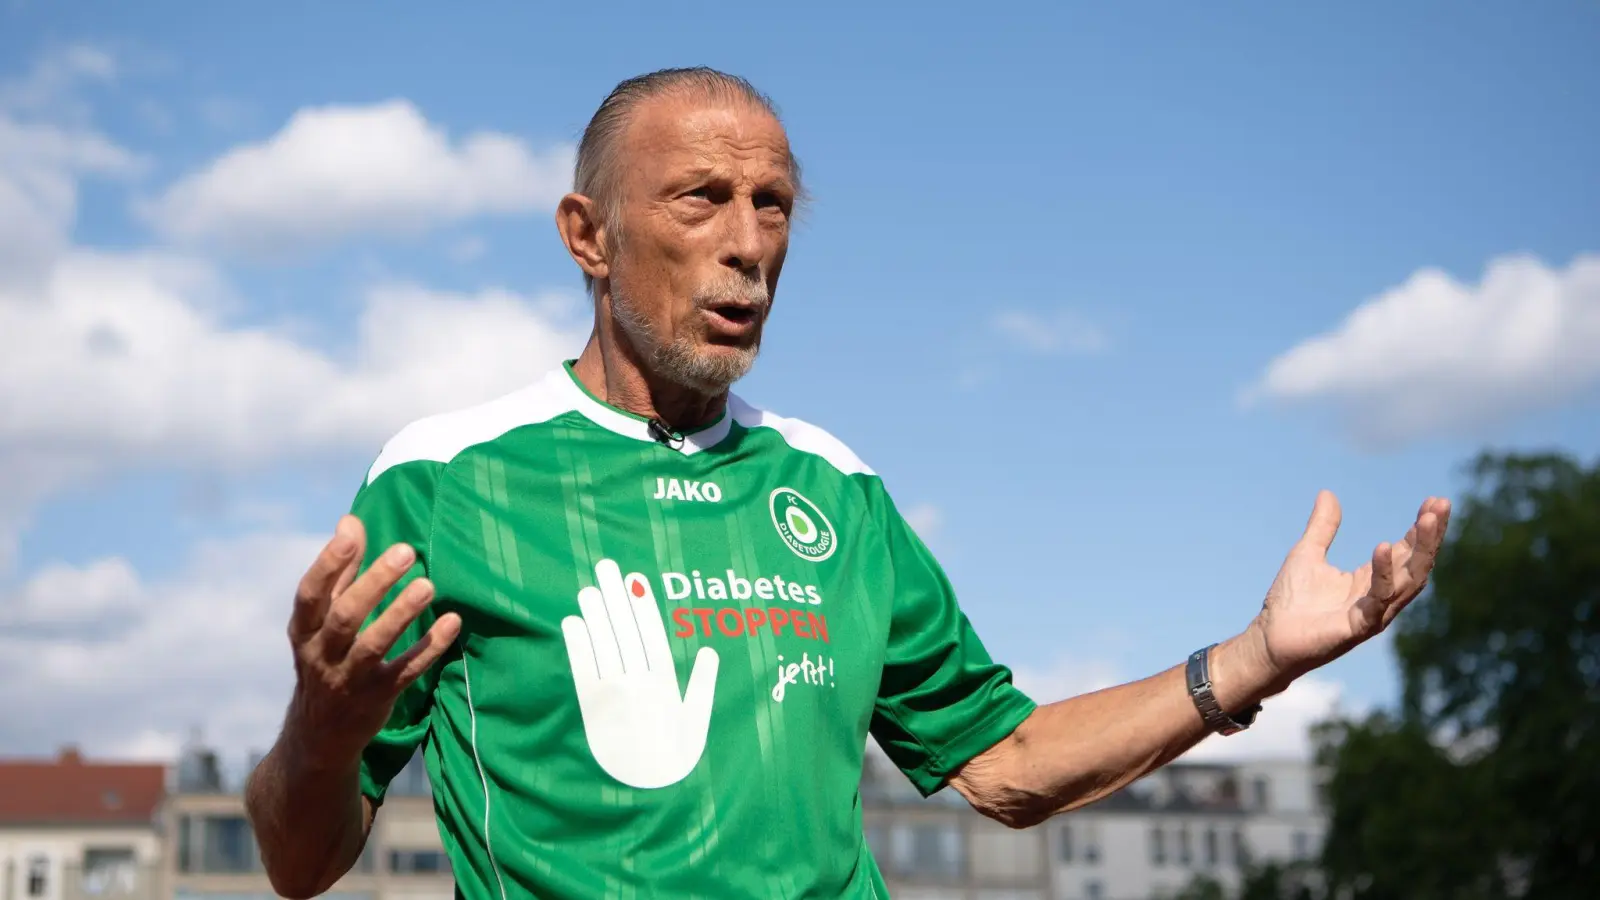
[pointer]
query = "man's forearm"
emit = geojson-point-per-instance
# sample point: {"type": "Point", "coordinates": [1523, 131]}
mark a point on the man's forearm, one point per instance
{"type": "Point", "coordinates": [310, 821]}
{"type": "Point", "coordinates": [1082, 749]}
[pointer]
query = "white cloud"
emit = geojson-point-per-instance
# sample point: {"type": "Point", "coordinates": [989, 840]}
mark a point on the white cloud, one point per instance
{"type": "Point", "coordinates": [147, 745]}
{"type": "Point", "coordinates": [1283, 728]}
{"type": "Point", "coordinates": [125, 361]}
{"type": "Point", "coordinates": [132, 669]}
{"type": "Point", "coordinates": [49, 87]}
{"type": "Point", "coordinates": [1067, 677]}
{"type": "Point", "coordinates": [42, 156]}
{"type": "Point", "coordinates": [1058, 332]}
{"type": "Point", "coordinates": [64, 596]}
{"type": "Point", "coordinates": [1281, 731]}
{"type": "Point", "coordinates": [338, 171]}
{"type": "Point", "coordinates": [117, 360]}
{"type": "Point", "coordinates": [226, 113]}
{"type": "Point", "coordinates": [467, 249]}
{"type": "Point", "coordinates": [924, 519]}
{"type": "Point", "coordinates": [1434, 356]}
{"type": "Point", "coordinates": [1011, 332]}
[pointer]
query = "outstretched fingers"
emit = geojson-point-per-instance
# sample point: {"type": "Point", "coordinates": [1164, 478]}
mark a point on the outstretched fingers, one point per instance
{"type": "Point", "coordinates": [1433, 520]}
{"type": "Point", "coordinates": [347, 613]}
{"type": "Point", "coordinates": [321, 583]}
{"type": "Point", "coordinates": [1383, 571]}
{"type": "Point", "coordinates": [1401, 570]}
{"type": "Point", "coordinates": [351, 526]}
{"type": "Point", "coordinates": [1374, 590]}
{"type": "Point", "coordinates": [420, 656]}
{"type": "Point", "coordinates": [374, 642]}
{"type": "Point", "coordinates": [1323, 524]}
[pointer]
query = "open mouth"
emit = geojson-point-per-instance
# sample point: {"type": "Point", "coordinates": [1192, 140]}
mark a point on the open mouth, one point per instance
{"type": "Point", "coordinates": [735, 315]}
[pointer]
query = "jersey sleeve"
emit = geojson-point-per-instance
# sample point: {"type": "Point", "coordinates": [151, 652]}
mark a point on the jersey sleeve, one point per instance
{"type": "Point", "coordinates": [397, 507]}
{"type": "Point", "coordinates": [942, 700]}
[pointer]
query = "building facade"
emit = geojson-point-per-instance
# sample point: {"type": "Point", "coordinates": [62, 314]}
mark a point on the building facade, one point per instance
{"type": "Point", "coordinates": [75, 830]}
{"type": "Point", "coordinates": [70, 830]}
{"type": "Point", "coordinates": [1142, 843]}
{"type": "Point", "coordinates": [212, 853]}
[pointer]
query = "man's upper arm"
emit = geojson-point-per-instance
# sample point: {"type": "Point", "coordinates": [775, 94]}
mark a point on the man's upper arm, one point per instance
{"type": "Point", "coordinates": [396, 506]}
{"type": "Point", "coordinates": [942, 699]}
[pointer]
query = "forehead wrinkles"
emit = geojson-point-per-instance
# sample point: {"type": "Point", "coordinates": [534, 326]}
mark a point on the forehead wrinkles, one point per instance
{"type": "Point", "coordinates": [708, 138]}
{"type": "Point", "coordinates": [743, 160]}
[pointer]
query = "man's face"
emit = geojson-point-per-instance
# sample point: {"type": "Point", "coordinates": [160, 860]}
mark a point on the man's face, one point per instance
{"type": "Point", "coordinates": [705, 200]}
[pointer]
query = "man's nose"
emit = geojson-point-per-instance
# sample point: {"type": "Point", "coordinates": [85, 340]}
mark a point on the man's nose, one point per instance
{"type": "Point", "coordinates": [743, 248]}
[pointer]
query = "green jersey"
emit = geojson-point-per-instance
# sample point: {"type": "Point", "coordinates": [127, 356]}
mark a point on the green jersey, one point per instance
{"type": "Point", "coordinates": [673, 650]}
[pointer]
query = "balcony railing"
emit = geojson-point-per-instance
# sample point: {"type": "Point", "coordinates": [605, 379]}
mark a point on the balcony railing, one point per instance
{"type": "Point", "coordinates": [115, 881]}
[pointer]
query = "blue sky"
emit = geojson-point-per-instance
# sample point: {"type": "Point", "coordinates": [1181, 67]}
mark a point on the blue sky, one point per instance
{"type": "Point", "coordinates": [1082, 283]}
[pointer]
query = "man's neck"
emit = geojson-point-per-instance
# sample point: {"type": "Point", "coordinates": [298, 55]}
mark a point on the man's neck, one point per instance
{"type": "Point", "coordinates": [612, 372]}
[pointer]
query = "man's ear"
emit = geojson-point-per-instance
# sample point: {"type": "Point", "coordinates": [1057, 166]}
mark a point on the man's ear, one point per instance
{"type": "Point", "coordinates": [581, 231]}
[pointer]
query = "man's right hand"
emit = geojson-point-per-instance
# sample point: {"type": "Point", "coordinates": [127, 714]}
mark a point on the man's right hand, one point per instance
{"type": "Point", "coordinates": [345, 688]}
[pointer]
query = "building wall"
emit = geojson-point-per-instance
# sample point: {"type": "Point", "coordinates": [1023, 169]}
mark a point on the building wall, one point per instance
{"type": "Point", "coordinates": [75, 860]}
{"type": "Point", "coordinates": [928, 849]}
{"type": "Point", "coordinates": [1111, 854]}
{"type": "Point", "coordinates": [213, 854]}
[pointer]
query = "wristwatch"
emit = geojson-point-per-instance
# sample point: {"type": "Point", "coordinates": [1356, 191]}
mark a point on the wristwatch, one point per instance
{"type": "Point", "coordinates": [1199, 676]}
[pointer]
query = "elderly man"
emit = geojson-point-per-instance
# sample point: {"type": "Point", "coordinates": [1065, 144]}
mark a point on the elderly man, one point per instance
{"type": "Point", "coordinates": [642, 629]}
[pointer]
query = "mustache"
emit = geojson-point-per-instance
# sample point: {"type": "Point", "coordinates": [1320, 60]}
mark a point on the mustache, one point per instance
{"type": "Point", "coordinates": [744, 292]}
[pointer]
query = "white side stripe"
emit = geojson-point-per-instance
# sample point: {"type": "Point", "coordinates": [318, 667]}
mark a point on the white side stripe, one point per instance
{"type": "Point", "coordinates": [441, 437]}
{"type": "Point", "coordinates": [800, 435]}
{"type": "Point", "coordinates": [472, 713]}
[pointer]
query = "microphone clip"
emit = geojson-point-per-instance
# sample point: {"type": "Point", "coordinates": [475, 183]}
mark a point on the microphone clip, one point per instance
{"type": "Point", "coordinates": [664, 435]}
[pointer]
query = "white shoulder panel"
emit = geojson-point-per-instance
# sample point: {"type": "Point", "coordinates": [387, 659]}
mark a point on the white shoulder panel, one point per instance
{"type": "Point", "coordinates": [443, 436]}
{"type": "Point", "coordinates": [800, 435]}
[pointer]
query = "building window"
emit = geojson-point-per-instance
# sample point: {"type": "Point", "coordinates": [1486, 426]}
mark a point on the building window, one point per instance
{"type": "Point", "coordinates": [1241, 850]}
{"type": "Point", "coordinates": [109, 870]}
{"type": "Point", "coordinates": [1066, 843]}
{"type": "Point", "coordinates": [418, 862]}
{"type": "Point", "coordinates": [1184, 857]}
{"type": "Point", "coordinates": [367, 862]}
{"type": "Point", "coordinates": [1301, 850]}
{"type": "Point", "coordinates": [412, 780]}
{"type": "Point", "coordinates": [185, 836]}
{"type": "Point", "coordinates": [38, 875]}
{"type": "Point", "coordinates": [1261, 796]}
{"type": "Point", "coordinates": [1213, 851]}
{"type": "Point", "coordinates": [1158, 847]}
{"type": "Point", "coordinates": [1093, 890]}
{"type": "Point", "coordinates": [1091, 849]}
{"type": "Point", "coordinates": [932, 850]}
{"type": "Point", "coordinates": [226, 845]}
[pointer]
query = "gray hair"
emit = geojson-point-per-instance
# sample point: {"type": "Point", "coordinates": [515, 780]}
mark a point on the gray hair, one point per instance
{"type": "Point", "coordinates": [596, 172]}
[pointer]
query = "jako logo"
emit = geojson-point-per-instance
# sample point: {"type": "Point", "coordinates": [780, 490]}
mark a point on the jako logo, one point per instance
{"type": "Point", "coordinates": [801, 525]}
{"type": "Point", "coordinates": [673, 489]}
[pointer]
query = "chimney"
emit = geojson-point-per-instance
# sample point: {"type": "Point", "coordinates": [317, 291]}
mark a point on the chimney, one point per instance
{"type": "Point", "coordinates": [69, 756]}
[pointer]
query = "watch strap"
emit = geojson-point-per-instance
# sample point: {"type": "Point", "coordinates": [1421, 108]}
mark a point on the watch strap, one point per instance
{"type": "Point", "coordinates": [1198, 672]}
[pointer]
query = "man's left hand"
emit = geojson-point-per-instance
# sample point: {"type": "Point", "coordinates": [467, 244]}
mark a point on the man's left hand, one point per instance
{"type": "Point", "coordinates": [1314, 613]}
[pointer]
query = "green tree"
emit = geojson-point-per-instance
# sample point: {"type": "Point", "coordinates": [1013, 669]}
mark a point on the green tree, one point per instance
{"type": "Point", "coordinates": [1280, 881]}
{"type": "Point", "coordinates": [1201, 887]}
{"type": "Point", "coordinates": [1486, 782]}
{"type": "Point", "coordinates": [1272, 881]}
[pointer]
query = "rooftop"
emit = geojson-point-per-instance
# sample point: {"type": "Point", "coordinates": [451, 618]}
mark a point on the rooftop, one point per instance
{"type": "Point", "coordinates": [70, 790]}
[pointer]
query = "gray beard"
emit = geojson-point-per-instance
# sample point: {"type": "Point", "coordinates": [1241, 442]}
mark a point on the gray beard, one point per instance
{"type": "Point", "coordinates": [680, 360]}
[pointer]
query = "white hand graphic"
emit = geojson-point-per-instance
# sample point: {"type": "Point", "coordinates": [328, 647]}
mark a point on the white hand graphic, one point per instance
{"type": "Point", "coordinates": [639, 730]}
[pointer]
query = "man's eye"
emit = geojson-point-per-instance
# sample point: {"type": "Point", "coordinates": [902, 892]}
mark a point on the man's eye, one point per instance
{"type": "Point", "coordinates": [769, 200]}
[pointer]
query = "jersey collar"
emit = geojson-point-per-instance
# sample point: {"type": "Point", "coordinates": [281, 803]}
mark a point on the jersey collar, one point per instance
{"type": "Point", "coordinates": [627, 424]}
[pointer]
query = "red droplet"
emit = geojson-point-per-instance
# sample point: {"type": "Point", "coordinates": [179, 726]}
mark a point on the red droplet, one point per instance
{"type": "Point", "coordinates": [638, 588]}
